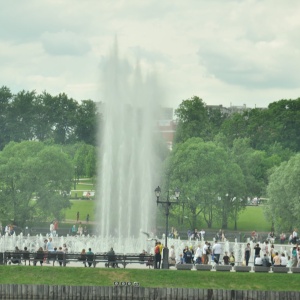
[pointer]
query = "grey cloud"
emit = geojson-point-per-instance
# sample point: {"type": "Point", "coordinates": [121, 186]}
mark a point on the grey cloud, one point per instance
{"type": "Point", "coordinates": [275, 70]}
{"type": "Point", "coordinates": [64, 43]}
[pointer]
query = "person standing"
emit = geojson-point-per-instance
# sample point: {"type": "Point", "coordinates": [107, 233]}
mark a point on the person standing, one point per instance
{"type": "Point", "coordinates": [256, 251]}
{"type": "Point", "coordinates": [80, 230]}
{"type": "Point", "coordinates": [77, 217]}
{"type": "Point", "coordinates": [202, 234]}
{"type": "Point", "coordinates": [49, 248]}
{"type": "Point", "coordinates": [205, 253]}
{"type": "Point", "coordinates": [87, 218]}
{"type": "Point", "coordinates": [198, 255]}
{"type": "Point", "coordinates": [295, 236]}
{"type": "Point", "coordinates": [232, 259]}
{"type": "Point", "coordinates": [73, 230]}
{"type": "Point", "coordinates": [226, 259]}
{"type": "Point", "coordinates": [172, 256]}
{"type": "Point", "coordinates": [52, 229]}
{"type": "Point", "coordinates": [216, 250]}
{"type": "Point", "coordinates": [282, 238]}
{"type": "Point", "coordinates": [157, 256]}
{"type": "Point", "coordinates": [247, 254]}
{"type": "Point", "coordinates": [187, 256]}
{"type": "Point", "coordinates": [55, 227]}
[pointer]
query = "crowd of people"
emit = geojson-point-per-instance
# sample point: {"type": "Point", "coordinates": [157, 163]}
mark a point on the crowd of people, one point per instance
{"type": "Point", "coordinates": [264, 254]}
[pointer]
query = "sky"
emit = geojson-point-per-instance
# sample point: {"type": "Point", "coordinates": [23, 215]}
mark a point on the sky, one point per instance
{"type": "Point", "coordinates": [227, 52]}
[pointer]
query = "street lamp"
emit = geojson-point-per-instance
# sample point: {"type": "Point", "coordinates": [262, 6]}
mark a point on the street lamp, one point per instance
{"type": "Point", "coordinates": [75, 175]}
{"type": "Point", "coordinates": [168, 203]}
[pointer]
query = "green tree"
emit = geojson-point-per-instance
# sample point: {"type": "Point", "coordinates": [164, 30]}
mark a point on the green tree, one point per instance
{"type": "Point", "coordinates": [5, 99]}
{"type": "Point", "coordinates": [205, 174]}
{"type": "Point", "coordinates": [192, 119]}
{"type": "Point", "coordinates": [87, 122]}
{"type": "Point", "coordinates": [85, 160]}
{"type": "Point", "coordinates": [33, 179]}
{"type": "Point", "coordinates": [20, 116]}
{"type": "Point", "coordinates": [283, 191]}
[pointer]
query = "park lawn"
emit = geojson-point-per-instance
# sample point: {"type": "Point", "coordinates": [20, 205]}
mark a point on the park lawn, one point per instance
{"type": "Point", "coordinates": [148, 278]}
{"type": "Point", "coordinates": [87, 181]}
{"type": "Point", "coordinates": [84, 207]}
{"type": "Point", "coordinates": [253, 218]}
{"type": "Point", "coordinates": [85, 187]}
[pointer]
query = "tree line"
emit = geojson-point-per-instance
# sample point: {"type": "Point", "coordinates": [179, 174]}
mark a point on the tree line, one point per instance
{"type": "Point", "coordinates": [221, 160]}
{"type": "Point", "coordinates": [28, 116]}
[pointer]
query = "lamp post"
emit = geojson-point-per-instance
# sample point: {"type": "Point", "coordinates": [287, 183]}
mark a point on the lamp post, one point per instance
{"type": "Point", "coordinates": [168, 203]}
{"type": "Point", "coordinates": [75, 175]}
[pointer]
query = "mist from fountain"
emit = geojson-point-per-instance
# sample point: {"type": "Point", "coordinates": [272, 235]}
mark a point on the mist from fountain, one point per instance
{"type": "Point", "coordinates": [129, 165]}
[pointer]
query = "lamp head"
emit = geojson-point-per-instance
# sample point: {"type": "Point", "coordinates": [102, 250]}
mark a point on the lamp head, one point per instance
{"type": "Point", "coordinates": [157, 192]}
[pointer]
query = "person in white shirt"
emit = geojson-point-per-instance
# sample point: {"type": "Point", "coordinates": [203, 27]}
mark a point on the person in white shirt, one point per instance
{"type": "Point", "coordinates": [198, 255]}
{"type": "Point", "coordinates": [295, 236]}
{"type": "Point", "coordinates": [204, 253]}
{"type": "Point", "coordinates": [202, 234]}
{"type": "Point", "coordinates": [52, 229]}
{"type": "Point", "coordinates": [258, 261]}
{"type": "Point", "coordinates": [283, 260]}
{"type": "Point", "coordinates": [216, 250]}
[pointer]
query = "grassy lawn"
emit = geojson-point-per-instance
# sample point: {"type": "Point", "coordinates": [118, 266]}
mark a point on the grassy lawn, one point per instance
{"type": "Point", "coordinates": [84, 207]}
{"type": "Point", "coordinates": [252, 218]}
{"type": "Point", "coordinates": [148, 278]}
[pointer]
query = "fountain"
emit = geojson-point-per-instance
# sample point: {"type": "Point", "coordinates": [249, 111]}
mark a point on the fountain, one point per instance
{"type": "Point", "coordinates": [127, 245]}
{"type": "Point", "coordinates": [129, 166]}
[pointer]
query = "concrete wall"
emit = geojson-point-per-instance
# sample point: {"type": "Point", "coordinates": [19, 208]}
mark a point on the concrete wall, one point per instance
{"type": "Point", "coordinates": [14, 291]}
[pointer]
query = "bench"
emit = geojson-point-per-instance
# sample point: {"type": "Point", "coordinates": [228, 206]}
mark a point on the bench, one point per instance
{"type": "Point", "coordinates": [64, 258]}
{"type": "Point", "coordinates": [87, 195]}
{"type": "Point", "coordinates": [184, 266]}
{"type": "Point", "coordinates": [295, 270]}
{"type": "Point", "coordinates": [223, 267]}
{"type": "Point", "coordinates": [242, 268]}
{"type": "Point", "coordinates": [280, 269]}
{"type": "Point", "coordinates": [85, 259]}
{"type": "Point", "coordinates": [261, 269]}
{"type": "Point", "coordinates": [201, 267]}
{"type": "Point", "coordinates": [146, 259]}
{"type": "Point", "coordinates": [113, 260]}
{"type": "Point", "coordinates": [11, 257]}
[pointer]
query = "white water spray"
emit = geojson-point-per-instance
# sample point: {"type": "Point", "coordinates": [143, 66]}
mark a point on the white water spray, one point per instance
{"type": "Point", "coordinates": [129, 164]}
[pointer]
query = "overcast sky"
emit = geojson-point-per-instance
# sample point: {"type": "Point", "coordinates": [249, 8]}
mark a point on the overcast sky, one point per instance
{"type": "Point", "coordinates": [226, 52]}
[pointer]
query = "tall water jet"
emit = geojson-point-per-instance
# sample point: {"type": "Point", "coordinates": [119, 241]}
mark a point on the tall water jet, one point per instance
{"type": "Point", "coordinates": [129, 164]}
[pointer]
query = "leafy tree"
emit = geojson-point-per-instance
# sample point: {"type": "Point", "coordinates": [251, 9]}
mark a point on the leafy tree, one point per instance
{"type": "Point", "coordinates": [192, 119]}
{"type": "Point", "coordinates": [205, 174]}
{"type": "Point", "coordinates": [21, 116]}
{"type": "Point", "coordinates": [32, 177]}
{"type": "Point", "coordinates": [283, 206]}
{"type": "Point", "coordinates": [85, 160]}
{"type": "Point", "coordinates": [5, 99]}
{"type": "Point", "coordinates": [63, 119]}
{"type": "Point", "coordinates": [87, 122]}
{"type": "Point", "coordinates": [43, 120]}
{"type": "Point", "coordinates": [234, 127]}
